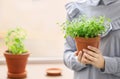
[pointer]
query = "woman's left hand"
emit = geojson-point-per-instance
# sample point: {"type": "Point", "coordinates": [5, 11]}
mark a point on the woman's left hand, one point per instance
{"type": "Point", "coordinates": [94, 57]}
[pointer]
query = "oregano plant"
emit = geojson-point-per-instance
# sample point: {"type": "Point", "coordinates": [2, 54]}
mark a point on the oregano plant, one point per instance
{"type": "Point", "coordinates": [85, 27]}
{"type": "Point", "coordinates": [14, 40]}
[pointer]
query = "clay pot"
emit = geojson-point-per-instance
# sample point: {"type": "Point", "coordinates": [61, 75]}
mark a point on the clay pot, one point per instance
{"type": "Point", "coordinates": [16, 65]}
{"type": "Point", "coordinates": [83, 43]}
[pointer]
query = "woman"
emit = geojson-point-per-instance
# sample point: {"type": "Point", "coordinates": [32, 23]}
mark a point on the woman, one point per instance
{"type": "Point", "coordinates": [102, 63]}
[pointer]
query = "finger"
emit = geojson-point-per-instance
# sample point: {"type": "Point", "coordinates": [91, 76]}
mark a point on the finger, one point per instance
{"type": "Point", "coordinates": [89, 57]}
{"type": "Point", "coordinates": [80, 55]}
{"type": "Point", "coordinates": [85, 60]}
{"type": "Point", "coordinates": [96, 50]}
{"type": "Point", "coordinates": [90, 53]}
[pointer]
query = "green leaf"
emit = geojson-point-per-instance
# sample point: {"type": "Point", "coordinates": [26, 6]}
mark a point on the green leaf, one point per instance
{"type": "Point", "coordinates": [14, 40]}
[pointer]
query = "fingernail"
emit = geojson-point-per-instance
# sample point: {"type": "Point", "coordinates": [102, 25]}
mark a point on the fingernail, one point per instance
{"type": "Point", "coordinates": [83, 49]}
{"type": "Point", "coordinates": [89, 46]}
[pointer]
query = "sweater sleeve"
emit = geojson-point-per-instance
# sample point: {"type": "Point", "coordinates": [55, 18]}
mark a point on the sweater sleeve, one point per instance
{"type": "Point", "coordinates": [70, 60]}
{"type": "Point", "coordinates": [112, 66]}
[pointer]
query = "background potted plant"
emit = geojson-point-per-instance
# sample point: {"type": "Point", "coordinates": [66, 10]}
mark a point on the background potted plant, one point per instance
{"type": "Point", "coordinates": [16, 55]}
{"type": "Point", "coordinates": [85, 30]}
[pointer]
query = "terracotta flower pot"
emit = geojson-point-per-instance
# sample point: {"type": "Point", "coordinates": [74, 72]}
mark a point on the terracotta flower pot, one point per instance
{"type": "Point", "coordinates": [83, 43]}
{"type": "Point", "coordinates": [16, 65]}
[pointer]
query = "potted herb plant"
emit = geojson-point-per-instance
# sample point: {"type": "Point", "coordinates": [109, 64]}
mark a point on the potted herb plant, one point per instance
{"type": "Point", "coordinates": [16, 55]}
{"type": "Point", "coordinates": [85, 30]}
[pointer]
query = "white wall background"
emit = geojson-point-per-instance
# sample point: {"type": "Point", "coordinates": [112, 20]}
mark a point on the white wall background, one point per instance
{"type": "Point", "coordinates": [39, 18]}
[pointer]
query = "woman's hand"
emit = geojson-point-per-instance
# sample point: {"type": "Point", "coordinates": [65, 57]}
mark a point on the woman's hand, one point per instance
{"type": "Point", "coordinates": [79, 55]}
{"type": "Point", "coordinates": [92, 56]}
